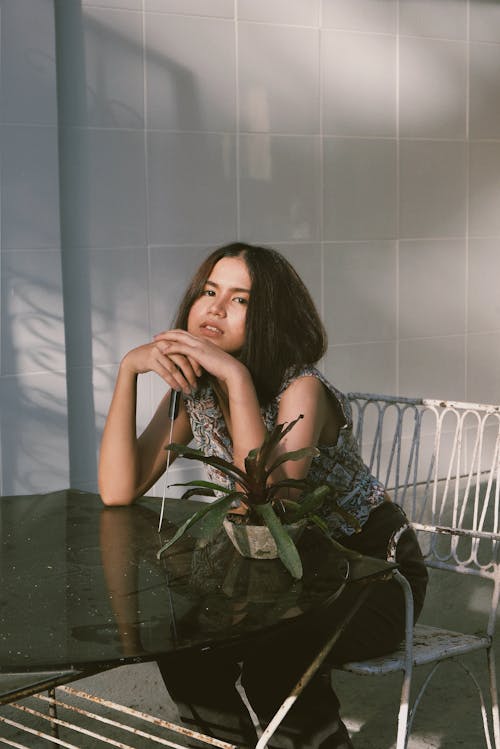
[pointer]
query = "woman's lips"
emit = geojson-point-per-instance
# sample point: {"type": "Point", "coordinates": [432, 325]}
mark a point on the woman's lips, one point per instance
{"type": "Point", "coordinates": [211, 331]}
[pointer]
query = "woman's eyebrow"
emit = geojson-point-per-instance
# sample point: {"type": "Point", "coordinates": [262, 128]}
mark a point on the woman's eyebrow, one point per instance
{"type": "Point", "coordinates": [234, 288]}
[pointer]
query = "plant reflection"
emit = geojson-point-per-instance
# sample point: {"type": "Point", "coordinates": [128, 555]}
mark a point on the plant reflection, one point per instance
{"type": "Point", "coordinates": [210, 591]}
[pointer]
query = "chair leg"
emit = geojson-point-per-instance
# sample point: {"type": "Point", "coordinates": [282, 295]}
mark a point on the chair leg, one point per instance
{"type": "Point", "coordinates": [494, 697]}
{"type": "Point", "coordinates": [470, 674]}
{"type": "Point", "coordinates": [402, 736]}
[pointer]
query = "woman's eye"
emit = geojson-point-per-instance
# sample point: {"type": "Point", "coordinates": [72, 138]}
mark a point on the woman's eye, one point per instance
{"type": "Point", "coordinates": [241, 300]}
{"type": "Point", "coordinates": [208, 292]}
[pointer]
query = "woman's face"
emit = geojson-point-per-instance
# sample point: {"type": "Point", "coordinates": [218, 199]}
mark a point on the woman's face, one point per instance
{"type": "Point", "coordinates": [219, 313]}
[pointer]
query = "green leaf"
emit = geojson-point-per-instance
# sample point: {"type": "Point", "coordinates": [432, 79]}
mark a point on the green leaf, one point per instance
{"type": "Point", "coordinates": [289, 504]}
{"type": "Point", "coordinates": [312, 501]}
{"type": "Point", "coordinates": [301, 484]}
{"type": "Point", "coordinates": [205, 485]}
{"type": "Point", "coordinates": [321, 524]}
{"type": "Point", "coordinates": [287, 550]}
{"type": "Point", "coordinates": [348, 517]}
{"type": "Point", "coordinates": [216, 510]}
{"type": "Point", "coordinates": [304, 452]}
{"type": "Point", "coordinates": [222, 465]}
{"type": "Point", "coordinates": [252, 463]}
{"type": "Point", "coordinates": [280, 431]}
{"type": "Point", "coordinates": [198, 492]}
{"type": "Point", "coordinates": [271, 440]}
{"type": "Point", "coordinates": [286, 510]}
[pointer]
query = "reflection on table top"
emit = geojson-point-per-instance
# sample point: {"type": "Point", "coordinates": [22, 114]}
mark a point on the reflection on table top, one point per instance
{"type": "Point", "coordinates": [81, 587]}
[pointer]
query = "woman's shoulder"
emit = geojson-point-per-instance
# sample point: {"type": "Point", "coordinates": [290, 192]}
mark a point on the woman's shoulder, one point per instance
{"type": "Point", "coordinates": [296, 374]}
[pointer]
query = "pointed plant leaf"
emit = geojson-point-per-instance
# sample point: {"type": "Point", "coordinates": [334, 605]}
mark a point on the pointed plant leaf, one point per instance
{"type": "Point", "coordinates": [257, 459]}
{"type": "Point", "coordinates": [271, 440]}
{"type": "Point", "coordinates": [287, 551]}
{"type": "Point", "coordinates": [198, 492]}
{"type": "Point", "coordinates": [348, 517]}
{"type": "Point", "coordinates": [313, 500]}
{"type": "Point", "coordinates": [321, 524]}
{"type": "Point", "coordinates": [222, 465]}
{"type": "Point", "coordinates": [205, 485]}
{"type": "Point", "coordinates": [254, 475]}
{"type": "Point", "coordinates": [184, 450]}
{"type": "Point", "coordinates": [280, 431]}
{"type": "Point", "coordinates": [291, 425]}
{"type": "Point", "coordinates": [300, 484]}
{"type": "Point", "coordinates": [286, 509]}
{"type": "Point", "coordinates": [212, 521]}
{"type": "Point", "coordinates": [251, 463]}
{"type": "Point", "coordinates": [289, 504]}
{"type": "Point", "coordinates": [217, 510]}
{"type": "Point", "coordinates": [304, 452]}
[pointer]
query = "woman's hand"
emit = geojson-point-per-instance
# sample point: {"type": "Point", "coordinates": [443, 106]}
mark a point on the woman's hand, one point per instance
{"type": "Point", "coordinates": [200, 352]}
{"type": "Point", "coordinates": [178, 371]}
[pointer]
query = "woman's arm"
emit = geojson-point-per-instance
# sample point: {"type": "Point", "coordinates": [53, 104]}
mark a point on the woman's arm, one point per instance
{"type": "Point", "coordinates": [320, 424]}
{"type": "Point", "coordinates": [306, 395]}
{"type": "Point", "coordinates": [239, 400]}
{"type": "Point", "coordinates": [129, 466]}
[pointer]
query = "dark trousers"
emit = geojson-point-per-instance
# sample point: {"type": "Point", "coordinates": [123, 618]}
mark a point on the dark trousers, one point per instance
{"type": "Point", "coordinates": [202, 684]}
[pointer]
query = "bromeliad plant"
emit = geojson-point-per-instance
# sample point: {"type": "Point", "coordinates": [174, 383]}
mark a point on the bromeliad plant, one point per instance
{"type": "Point", "coordinates": [262, 499]}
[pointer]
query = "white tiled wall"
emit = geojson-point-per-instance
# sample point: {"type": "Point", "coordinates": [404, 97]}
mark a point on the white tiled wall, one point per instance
{"type": "Point", "coordinates": [33, 402]}
{"type": "Point", "coordinates": [360, 138]}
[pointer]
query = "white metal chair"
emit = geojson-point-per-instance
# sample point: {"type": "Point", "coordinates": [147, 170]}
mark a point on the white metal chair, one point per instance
{"type": "Point", "coordinates": [441, 462]}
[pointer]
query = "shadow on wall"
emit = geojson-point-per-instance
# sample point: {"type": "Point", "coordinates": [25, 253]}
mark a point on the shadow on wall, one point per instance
{"type": "Point", "coordinates": [33, 403]}
{"type": "Point", "coordinates": [93, 217]}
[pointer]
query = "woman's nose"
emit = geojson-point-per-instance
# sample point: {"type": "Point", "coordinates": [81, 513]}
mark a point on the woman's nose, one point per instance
{"type": "Point", "coordinates": [217, 307]}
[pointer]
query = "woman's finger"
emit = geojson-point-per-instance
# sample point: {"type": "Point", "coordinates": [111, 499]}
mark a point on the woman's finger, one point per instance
{"type": "Point", "coordinates": [184, 365]}
{"type": "Point", "coordinates": [175, 369]}
{"type": "Point", "coordinates": [196, 366]}
{"type": "Point", "coordinates": [187, 346]}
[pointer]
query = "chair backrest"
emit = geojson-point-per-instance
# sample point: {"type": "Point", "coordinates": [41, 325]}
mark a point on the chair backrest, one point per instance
{"type": "Point", "coordinates": [440, 460]}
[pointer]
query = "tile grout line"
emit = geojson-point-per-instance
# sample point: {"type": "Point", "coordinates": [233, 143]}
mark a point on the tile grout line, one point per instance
{"type": "Point", "coordinates": [146, 185]}
{"type": "Point", "coordinates": [321, 175]}
{"type": "Point", "coordinates": [1, 260]}
{"type": "Point", "coordinates": [467, 202]}
{"type": "Point", "coordinates": [237, 165]}
{"type": "Point", "coordinates": [398, 203]}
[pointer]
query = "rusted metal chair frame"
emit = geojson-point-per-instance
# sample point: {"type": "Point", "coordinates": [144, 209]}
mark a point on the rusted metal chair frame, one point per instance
{"type": "Point", "coordinates": [441, 462]}
{"type": "Point", "coordinates": [93, 722]}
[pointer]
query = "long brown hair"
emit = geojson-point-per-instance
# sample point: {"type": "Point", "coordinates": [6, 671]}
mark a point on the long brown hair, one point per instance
{"type": "Point", "coordinates": [283, 327]}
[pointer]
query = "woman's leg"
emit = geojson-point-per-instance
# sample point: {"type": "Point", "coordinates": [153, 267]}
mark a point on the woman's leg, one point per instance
{"type": "Point", "coordinates": [379, 626]}
{"type": "Point", "coordinates": [270, 671]}
{"type": "Point", "coordinates": [202, 685]}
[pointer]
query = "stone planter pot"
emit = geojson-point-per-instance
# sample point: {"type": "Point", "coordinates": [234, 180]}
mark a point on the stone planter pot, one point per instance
{"type": "Point", "coordinates": [256, 541]}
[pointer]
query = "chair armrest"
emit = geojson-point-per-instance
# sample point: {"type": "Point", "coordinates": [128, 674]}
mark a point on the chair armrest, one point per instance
{"type": "Point", "coordinates": [393, 541]}
{"type": "Point", "coordinates": [407, 592]}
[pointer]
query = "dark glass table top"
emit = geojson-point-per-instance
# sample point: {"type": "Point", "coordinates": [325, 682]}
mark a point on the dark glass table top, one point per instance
{"type": "Point", "coordinates": [81, 587]}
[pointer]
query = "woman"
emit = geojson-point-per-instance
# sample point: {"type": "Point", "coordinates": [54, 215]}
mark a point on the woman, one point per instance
{"type": "Point", "coordinates": [242, 352]}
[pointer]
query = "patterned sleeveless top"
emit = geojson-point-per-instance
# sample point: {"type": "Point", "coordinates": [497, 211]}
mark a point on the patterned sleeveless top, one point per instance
{"type": "Point", "coordinates": [340, 465]}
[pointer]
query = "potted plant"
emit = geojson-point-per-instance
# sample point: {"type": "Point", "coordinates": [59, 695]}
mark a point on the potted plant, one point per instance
{"type": "Point", "coordinates": [268, 514]}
